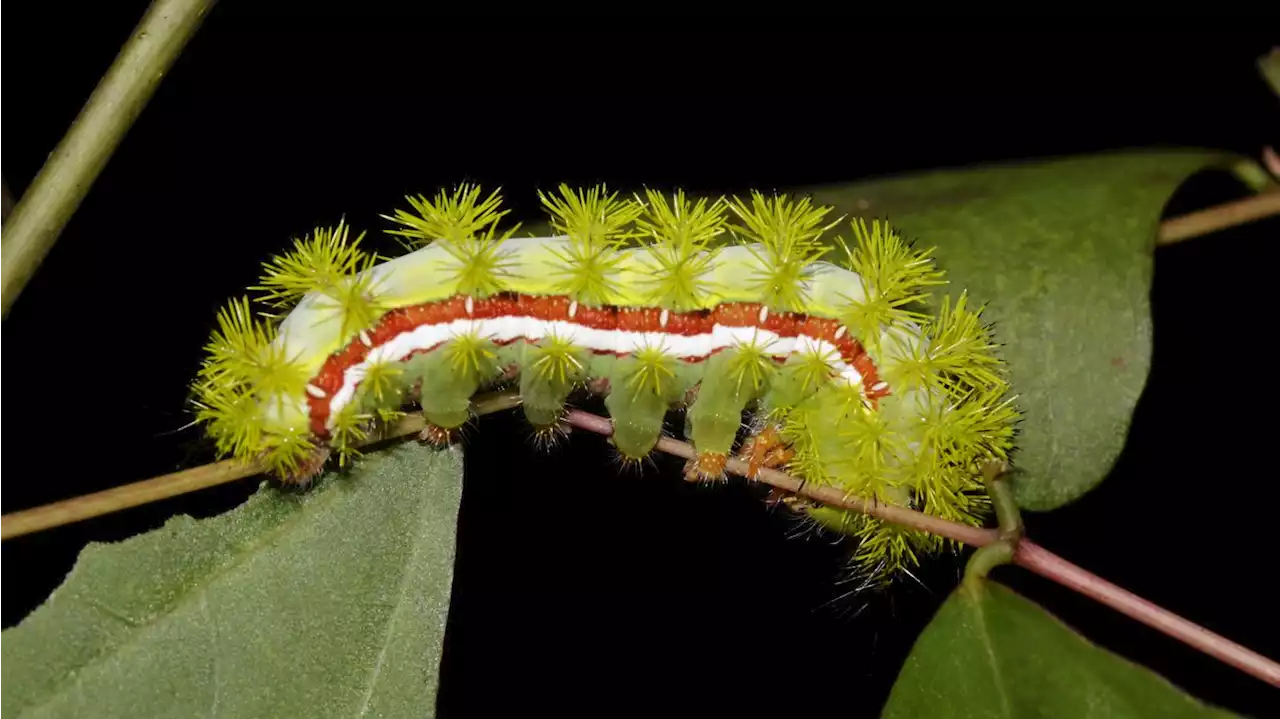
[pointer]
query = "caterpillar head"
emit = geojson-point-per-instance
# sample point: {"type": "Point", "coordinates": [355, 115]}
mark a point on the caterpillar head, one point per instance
{"type": "Point", "coordinates": [253, 389]}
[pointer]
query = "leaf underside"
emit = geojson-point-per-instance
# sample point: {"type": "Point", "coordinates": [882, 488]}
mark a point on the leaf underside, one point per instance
{"type": "Point", "coordinates": [330, 603]}
{"type": "Point", "coordinates": [991, 653]}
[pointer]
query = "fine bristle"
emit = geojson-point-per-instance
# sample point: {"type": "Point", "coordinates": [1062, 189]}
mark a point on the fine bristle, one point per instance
{"type": "Point", "coordinates": [550, 438]}
{"type": "Point", "coordinates": [437, 436]}
{"type": "Point", "coordinates": [706, 467]}
{"type": "Point", "coordinates": [631, 466]}
{"type": "Point", "coordinates": [308, 469]}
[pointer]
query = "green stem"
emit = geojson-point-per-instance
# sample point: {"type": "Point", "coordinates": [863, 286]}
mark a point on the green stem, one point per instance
{"type": "Point", "coordinates": [987, 558]}
{"type": "Point", "coordinates": [54, 195]}
{"type": "Point", "coordinates": [1003, 550]}
{"type": "Point", "coordinates": [1007, 514]}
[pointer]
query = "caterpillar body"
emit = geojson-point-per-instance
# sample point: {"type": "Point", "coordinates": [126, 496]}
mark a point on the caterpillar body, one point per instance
{"type": "Point", "coordinates": [657, 301]}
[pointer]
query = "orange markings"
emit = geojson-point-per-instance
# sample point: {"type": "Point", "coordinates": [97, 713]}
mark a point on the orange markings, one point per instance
{"type": "Point", "coordinates": [707, 466]}
{"type": "Point", "coordinates": [765, 449]}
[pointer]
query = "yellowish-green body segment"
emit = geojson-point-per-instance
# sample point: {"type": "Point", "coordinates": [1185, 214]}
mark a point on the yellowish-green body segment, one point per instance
{"type": "Point", "coordinates": [723, 308]}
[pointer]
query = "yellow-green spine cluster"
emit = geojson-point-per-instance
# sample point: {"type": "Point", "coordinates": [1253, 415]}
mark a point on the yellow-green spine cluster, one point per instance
{"type": "Point", "coordinates": [598, 225]}
{"type": "Point", "coordinates": [925, 445]}
{"type": "Point", "coordinates": [789, 233]}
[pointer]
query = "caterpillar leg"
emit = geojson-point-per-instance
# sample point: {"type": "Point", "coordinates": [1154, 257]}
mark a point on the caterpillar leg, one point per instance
{"type": "Point", "coordinates": [308, 469]}
{"type": "Point", "coordinates": [548, 437]}
{"type": "Point", "coordinates": [438, 436]}
{"type": "Point", "coordinates": [552, 368]}
{"type": "Point", "coordinates": [707, 466]}
{"type": "Point", "coordinates": [716, 413]}
{"type": "Point", "coordinates": [643, 387]}
{"type": "Point", "coordinates": [447, 379]}
{"type": "Point", "coordinates": [788, 500]}
{"type": "Point", "coordinates": [637, 422]}
{"type": "Point", "coordinates": [765, 449]}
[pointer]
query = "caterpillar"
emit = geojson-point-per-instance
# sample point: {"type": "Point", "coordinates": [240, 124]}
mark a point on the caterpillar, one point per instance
{"type": "Point", "coordinates": [718, 307]}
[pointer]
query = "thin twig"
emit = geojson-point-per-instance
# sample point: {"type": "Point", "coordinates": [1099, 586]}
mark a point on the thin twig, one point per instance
{"type": "Point", "coordinates": [37, 220]}
{"type": "Point", "coordinates": [826, 495]}
{"type": "Point", "coordinates": [1050, 566]}
{"type": "Point", "coordinates": [16, 524]}
{"type": "Point", "coordinates": [1219, 217]}
{"type": "Point", "coordinates": [1028, 555]}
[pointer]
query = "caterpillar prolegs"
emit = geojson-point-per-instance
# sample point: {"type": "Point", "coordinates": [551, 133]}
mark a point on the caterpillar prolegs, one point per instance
{"type": "Point", "coordinates": [657, 301]}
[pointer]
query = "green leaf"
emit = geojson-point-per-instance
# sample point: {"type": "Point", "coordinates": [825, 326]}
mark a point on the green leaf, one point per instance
{"type": "Point", "coordinates": [327, 603]}
{"type": "Point", "coordinates": [1061, 253]}
{"type": "Point", "coordinates": [1269, 66]}
{"type": "Point", "coordinates": [991, 653]}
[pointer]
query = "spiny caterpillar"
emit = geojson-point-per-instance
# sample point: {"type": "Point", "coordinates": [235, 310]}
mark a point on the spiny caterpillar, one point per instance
{"type": "Point", "coordinates": [657, 301]}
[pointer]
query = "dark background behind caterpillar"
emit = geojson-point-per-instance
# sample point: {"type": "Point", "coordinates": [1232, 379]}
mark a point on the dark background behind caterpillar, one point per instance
{"type": "Point", "coordinates": [575, 583]}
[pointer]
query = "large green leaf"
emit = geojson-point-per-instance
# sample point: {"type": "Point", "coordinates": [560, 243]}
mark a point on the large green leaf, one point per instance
{"type": "Point", "coordinates": [1061, 253]}
{"type": "Point", "coordinates": [330, 603]}
{"type": "Point", "coordinates": [992, 653]}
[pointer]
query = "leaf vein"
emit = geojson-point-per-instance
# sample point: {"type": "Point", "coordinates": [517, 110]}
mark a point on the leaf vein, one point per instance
{"type": "Point", "coordinates": [997, 676]}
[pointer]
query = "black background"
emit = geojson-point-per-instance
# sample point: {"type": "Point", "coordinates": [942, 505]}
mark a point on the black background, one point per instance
{"type": "Point", "coordinates": [578, 589]}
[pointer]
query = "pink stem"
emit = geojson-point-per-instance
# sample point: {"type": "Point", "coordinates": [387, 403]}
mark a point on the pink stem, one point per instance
{"type": "Point", "coordinates": [1029, 556]}
{"type": "Point", "coordinates": [1049, 565]}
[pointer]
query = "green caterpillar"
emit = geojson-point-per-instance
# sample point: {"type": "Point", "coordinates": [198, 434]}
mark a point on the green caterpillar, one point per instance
{"type": "Point", "coordinates": [721, 306]}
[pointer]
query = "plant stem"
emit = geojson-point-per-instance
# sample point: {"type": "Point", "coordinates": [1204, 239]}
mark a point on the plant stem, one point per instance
{"type": "Point", "coordinates": [993, 555]}
{"type": "Point", "coordinates": [1007, 514]}
{"type": "Point", "coordinates": [1033, 557]}
{"type": "Point", "coordinates": [1027, 555]}
{"type": "Point", "coordinates": [115, 499]}
{"type": "Point", "coordinates": [1230, 214]}
{"type": "Point", "coordinates": [66, 177]}
{"type": "Point", "coordinates": [16, 524]}
{"type": "Point", "coordinates": [1009, 520]}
